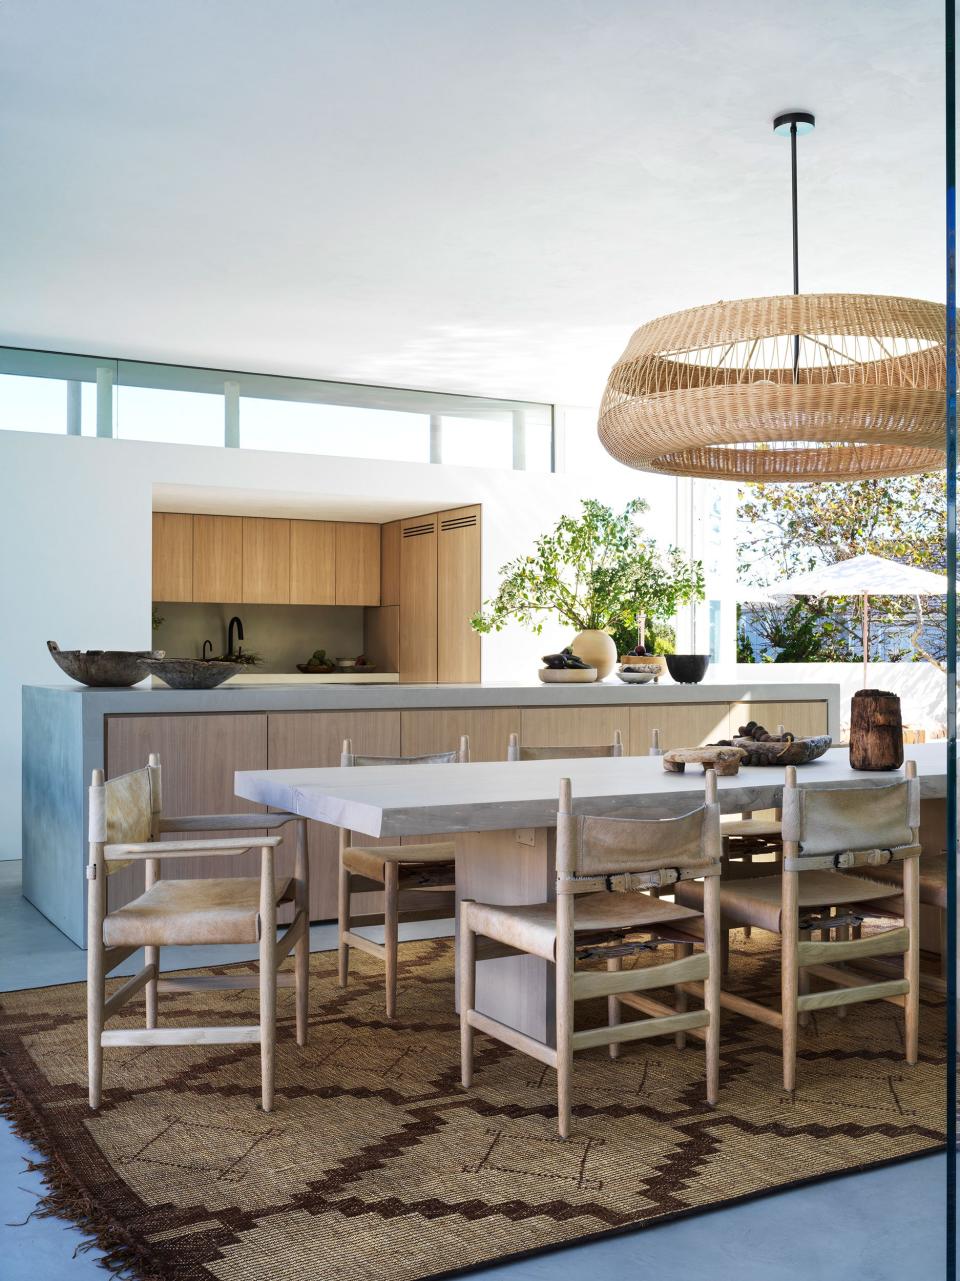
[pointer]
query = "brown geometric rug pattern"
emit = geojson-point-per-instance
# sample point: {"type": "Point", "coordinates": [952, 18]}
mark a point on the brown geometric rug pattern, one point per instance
{"type": "Point", "coordinates": [376, 1163]}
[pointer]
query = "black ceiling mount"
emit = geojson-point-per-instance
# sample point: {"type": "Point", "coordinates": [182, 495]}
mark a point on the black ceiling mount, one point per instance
{"type": "Point", "coordinates": [794, 123]}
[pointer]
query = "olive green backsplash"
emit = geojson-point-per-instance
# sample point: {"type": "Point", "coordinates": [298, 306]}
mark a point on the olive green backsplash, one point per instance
{"type": "Point", "coordinates": [283, 635]}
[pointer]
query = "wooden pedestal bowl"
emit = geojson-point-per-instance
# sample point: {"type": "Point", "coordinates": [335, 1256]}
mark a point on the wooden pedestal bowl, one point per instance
{"type": "Point", "coordinates": [725, 760]}
{"type": "Point", "coordinates": [800, 752]}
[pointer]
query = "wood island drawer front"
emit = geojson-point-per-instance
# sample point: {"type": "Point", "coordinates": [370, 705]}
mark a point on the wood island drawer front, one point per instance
{"type": "Point", "coordinates": [314, 739]}
{"type": "Point", "coordinates": [800, 718]}
{"type": "Point", "coordinates": [680, 725]}
{"type": "Point", "coordinates": [574, 726]}
{"type": "Point", "coordinates": [198, 757]}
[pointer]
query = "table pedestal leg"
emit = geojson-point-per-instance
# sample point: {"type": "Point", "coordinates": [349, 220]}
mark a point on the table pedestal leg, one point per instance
{"type": "Point", "coordinates": [513, 866]}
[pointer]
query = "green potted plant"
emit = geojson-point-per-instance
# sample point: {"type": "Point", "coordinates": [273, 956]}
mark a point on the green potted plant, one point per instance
{"type": "Point", "coordinates": [597, 572]}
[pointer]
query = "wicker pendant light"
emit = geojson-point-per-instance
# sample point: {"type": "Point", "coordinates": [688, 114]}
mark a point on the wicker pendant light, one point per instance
{"type": "Point", "coordinates": [801, 387]}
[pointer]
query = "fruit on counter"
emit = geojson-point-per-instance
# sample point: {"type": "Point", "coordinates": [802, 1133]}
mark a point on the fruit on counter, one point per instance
{"type": "Point", "coordinates": [638, 651]}
{"type": "Point", "coordinates": [565, 659]}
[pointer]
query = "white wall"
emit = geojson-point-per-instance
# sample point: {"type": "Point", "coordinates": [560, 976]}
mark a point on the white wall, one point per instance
{"type": "Point", "coordinates": [922, 688]}
{"type": "Point", "coordinates": [75, 533]}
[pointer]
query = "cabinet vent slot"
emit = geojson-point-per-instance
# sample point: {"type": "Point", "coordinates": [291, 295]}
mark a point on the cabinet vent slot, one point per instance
{"type": "Point", "coordinates": [459, 522]}
{"type": "Point", "coordinates": [415, 531]}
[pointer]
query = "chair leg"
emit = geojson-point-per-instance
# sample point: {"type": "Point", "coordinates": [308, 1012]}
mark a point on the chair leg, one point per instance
{"type": "Point", "coordinates": [566, 959]}
{"type": "Point", "coordinates": [803, 980]}
{"type": "Point", "coordinates": [911, 958]}
{"type": "Point", "coordinates": [95, 1003]}
{"type": "Point", "coordinates": [391, 904]}
{"type": "Point", "coordinates": [942, 934]}
{"type": "Point", "coordinates": [268, 980]}
{"type": "Point", "coordinates": [151, 956]}
{"type": "Point", "coordinates": [789, 977]}
{"type": "Point", "coordinates": [614, 963]}
{"type": "Point", "coordinates": [725, 952]}
{"type": "Point", "coordinates": [842, 935]}
{"type": "Point", "coordinates": [343, 923]}
{"type": "Point", "coordinates": [680, 951]}
{"type": "Point", "coordinates": [301, 955]}
{"type": "Point", "coordinates": [711, 989]}
{"type": "Point", "coordinates": [468, 985]}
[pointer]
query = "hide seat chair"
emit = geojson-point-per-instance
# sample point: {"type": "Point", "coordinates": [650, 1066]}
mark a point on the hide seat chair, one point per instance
{"type": "Point", "coordinates": [126, 825]}
{"type": "Point", "coordinates": [602, 913]}
{"type": "Point", "coordinates": [751, 846]}
{"type": "Point", "coordinates": [932, 892]}
{"type": "Point", "coordinates": [515, 752]}
{"type": "Point", "coordinates": [833, 841]}
{"type": "Point", "coordinates": [426, 868]}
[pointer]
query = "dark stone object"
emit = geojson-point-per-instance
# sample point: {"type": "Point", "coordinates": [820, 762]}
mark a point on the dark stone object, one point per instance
{"type": "Point", "coordinates": [106, 668]}
{"type": "Point", "coordinates": [876, 730]}
{"type": "Point", "coordinates": [688, 669]}
{"type": "Point", "coordinates": [193, 673]}
{"type": "Point", "coordinates": [565, 660]}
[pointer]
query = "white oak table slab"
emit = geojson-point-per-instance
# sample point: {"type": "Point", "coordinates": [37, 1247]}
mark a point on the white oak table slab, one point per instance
{"type": "Point", "coordinates": [504, 817]}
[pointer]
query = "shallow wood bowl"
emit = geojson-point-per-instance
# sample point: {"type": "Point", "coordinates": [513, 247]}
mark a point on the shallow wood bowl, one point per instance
{"type": "Point", "coordinates": [725, 760]}
{"type": "Point", "coordinates": [800, 752]}
{"type": "Point", "coordinates": [192, 673]}
{"type": "Point", "coordinates": [104, 668]}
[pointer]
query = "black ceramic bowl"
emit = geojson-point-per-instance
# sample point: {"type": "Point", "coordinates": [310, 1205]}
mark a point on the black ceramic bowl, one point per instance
{"type": "Point", "coordinates": [687, 669]}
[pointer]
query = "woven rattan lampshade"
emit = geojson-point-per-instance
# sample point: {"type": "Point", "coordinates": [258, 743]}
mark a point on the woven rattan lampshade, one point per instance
{"type": "Point", "coordinates": [794, 388]}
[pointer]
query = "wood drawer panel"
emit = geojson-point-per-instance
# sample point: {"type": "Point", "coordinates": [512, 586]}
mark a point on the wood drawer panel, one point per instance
{"type": "Point", "coordinates": [198, 756]}
{"type": "Point", "coordinates": [799, 718]}
{"type": "Point", "coordinates": [680, 725]}
{"type": "Point", "coordinates": [574, 726]}
{"type": "Point", "coordinates": [315, 739]}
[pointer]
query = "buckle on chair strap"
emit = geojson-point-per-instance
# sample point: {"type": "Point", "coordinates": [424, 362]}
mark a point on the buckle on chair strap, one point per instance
{"type": "Point", "coordinates": [862, 858]}
{"type": "Point", "coordinates": [630, 882]}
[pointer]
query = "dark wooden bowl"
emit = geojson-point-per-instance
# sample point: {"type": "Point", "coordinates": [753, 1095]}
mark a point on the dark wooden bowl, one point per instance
{"type": "Point", "coordinates": [104, 668]}
{"type": "Point", "coordinates": [800, 752]}
{"type": "Point", "coordinates": [193, 673]}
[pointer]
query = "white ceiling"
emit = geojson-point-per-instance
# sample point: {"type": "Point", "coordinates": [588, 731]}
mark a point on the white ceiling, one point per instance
{"type": "Point", "coordinates": [476, 195]}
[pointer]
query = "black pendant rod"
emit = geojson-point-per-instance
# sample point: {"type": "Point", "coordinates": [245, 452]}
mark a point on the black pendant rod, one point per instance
{"type": "Point", "coordinates": [783, 124]}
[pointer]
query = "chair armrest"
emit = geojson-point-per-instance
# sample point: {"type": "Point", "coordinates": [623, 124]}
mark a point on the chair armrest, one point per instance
{"type": "Point", "coordinates": [174, 849]}
{"type": "Point", "coordinates": [224, 822]}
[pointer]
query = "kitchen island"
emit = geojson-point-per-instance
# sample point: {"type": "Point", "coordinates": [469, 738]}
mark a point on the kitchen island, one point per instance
{"type": "Point", "coordinates": [205, 736]}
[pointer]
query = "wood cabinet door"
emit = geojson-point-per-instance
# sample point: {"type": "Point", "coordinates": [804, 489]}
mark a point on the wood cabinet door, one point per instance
{"type": "Point", "coordinates": [297, 739]}
{"type": "Point", "coordinates": [680, 725]}
{"type": "Point", "coordinates": [801, 718]}
{"type": "Point", "coordinates": [266, 561]}
{"type": "Point", "coordinates": [418, 600]}
{"type": "Point", "coordinates": [574, 726]}
{"type": "Point", "coordinates": [458, 595]}
{"type": "Point", "coordinates": [358, 564]}
{"type": "Point", "coordinates": [390, 563]}
{"type": "Point", "coordinates": [218, 559]}
{"type": "Point", "coordinates": [198, 756]}
{"type": "Point", "coordinates": [313, 562]}
{"type": "Point", "coordinates": [488, 729]}
{"type": "Point", "coordinates": [172, 556]}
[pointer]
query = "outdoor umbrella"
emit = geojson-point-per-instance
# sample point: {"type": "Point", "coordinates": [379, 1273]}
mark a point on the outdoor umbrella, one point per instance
{"type": "Point", "coordinates": [864, 576]}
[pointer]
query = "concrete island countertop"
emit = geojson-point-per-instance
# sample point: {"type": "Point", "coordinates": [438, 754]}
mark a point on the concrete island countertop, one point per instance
{"type": "Point", "coordinates": [272, 696]}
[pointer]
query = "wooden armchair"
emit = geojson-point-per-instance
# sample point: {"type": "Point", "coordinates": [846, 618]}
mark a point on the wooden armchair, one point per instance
{"type": "Point", "coordinates": [832, 842]}
{"type": "Point", "coordinates": [603, 867]}
{"type": "Point", "coordinates": [517, 753]}
{"type": "Point", "coordinates": [126, 824]}
{"type": "Point", "coordinates": [428, 867]}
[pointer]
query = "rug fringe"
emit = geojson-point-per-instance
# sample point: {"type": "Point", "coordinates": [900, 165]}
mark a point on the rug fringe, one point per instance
{"type": "Point", "coordinates": [125, 1256]}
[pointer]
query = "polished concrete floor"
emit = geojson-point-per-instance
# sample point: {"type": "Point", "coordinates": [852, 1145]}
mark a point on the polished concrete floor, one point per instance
{"type": "Point", "coordinates": [884, 1225]}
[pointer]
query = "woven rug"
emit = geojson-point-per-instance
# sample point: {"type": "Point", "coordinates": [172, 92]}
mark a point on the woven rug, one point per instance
{"type": "Point", "coordinates": [376, 1163]}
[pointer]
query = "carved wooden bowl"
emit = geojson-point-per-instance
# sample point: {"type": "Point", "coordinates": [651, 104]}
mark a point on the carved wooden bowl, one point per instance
{"type": "Point", "coordinates": [800, 752]}
{"type": "Point", "coordinates": [725, 760]}
{"type": "Point", "coordinates": [106, 668]}
{"type": "Point", "coordinates": [192, 673]}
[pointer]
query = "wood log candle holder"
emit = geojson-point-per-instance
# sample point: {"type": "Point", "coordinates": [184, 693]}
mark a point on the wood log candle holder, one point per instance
{"type": "Point", "coordinates": [876, 730]}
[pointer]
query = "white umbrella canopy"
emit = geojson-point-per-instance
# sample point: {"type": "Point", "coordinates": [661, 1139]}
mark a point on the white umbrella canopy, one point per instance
{"type": "Point", "coordinates": [865, 576]}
